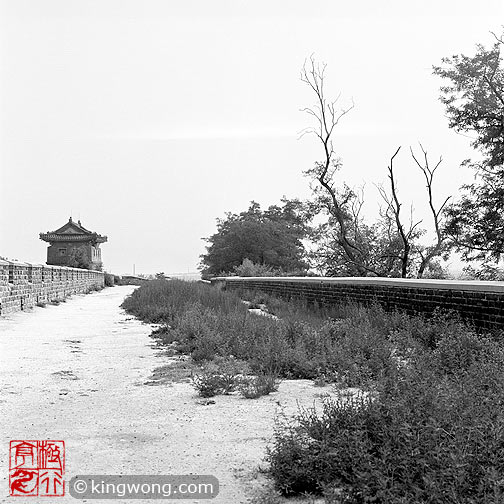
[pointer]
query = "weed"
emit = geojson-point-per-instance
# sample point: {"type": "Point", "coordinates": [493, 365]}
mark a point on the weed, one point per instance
{"type": "Point", "coordinates": [159, 301]}
{"type": "Point", "coordinates": [253, 387]}
{"type": "Point", "coordinates": [431, 433]}
{"type": "Point", "coordinates": [320, 381]}
{"type": "Point", "coordinates": [249, 269]}
{"type": "Point", "coordinates": [207, 384]}
{"type": "Point", "coordinates": [220, 376]}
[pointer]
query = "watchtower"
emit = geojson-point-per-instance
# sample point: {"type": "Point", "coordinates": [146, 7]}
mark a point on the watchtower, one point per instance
{"type": "Point", "coordinates": [73, 245]}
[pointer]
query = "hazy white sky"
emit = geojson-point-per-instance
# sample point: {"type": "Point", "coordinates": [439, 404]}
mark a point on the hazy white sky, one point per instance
{"type": "Point", "coordinates": [149, 119]}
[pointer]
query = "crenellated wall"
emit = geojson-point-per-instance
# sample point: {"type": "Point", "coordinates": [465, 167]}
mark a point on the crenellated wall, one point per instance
{"type": "Point", "coordinates": [479, 302]}
{"type": "Point", "coordinates": [23, 285]}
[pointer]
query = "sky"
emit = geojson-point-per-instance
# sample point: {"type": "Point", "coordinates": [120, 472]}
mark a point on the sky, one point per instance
{"type": "Point", "coordinates": [148, 120]}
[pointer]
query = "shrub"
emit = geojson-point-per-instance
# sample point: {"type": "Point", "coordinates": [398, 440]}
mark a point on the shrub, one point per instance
{"type": "Point", "coordinates": [159, 301]}
{"type": "Point", "coordinates": [207, 384]}
{"type": "Point", "coordinates": [424, 437]}
{"type": "Point", "coordinates": [109, 280]}
{"type": "Point", "coordinates": [252, 387]}
{"type": "Point", "coordinates": [249, 269]}
{"type": "Point", "coordinates": [299, 458]}
{"type": "Point", "coordinates": [458, 352]}
{"type": "Point", "coordinates": [220, 376]}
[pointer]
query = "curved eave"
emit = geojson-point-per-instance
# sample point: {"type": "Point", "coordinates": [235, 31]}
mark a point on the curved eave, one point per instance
{"type": "Point", "coordinates": [52, 237]}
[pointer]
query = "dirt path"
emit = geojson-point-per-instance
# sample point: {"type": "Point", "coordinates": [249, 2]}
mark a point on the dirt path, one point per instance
{"type": "Point", "coordinates": [77, 372]}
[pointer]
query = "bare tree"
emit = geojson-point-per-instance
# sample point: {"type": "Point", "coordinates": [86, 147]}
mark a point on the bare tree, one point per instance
{"type": "Point", "coordinates": [441, 241]}
{"type": "Point", "coordinates": [407, 236]}
{"type": "Point", "coordinates": [414, 258]}
{"type": "Point", "coordinates": [346, 244]}
{"type": "Point", "coordinates": [339, 203]}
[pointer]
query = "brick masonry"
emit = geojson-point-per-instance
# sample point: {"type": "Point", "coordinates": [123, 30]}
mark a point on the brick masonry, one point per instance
{"type": "Point", "coordinates": [23, 285]}
{"type": "Point", "coordinates": [481, 303]}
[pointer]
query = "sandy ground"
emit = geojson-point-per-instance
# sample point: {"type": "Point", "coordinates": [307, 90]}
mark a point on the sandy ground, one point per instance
{"type": "Point", "coordinates": [78, 372]}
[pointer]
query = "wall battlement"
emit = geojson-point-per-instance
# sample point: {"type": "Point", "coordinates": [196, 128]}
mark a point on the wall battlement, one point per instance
{"type": "Point", "coordinates": [479, 302]}
{"type": "Point", "coordinates": [23, 285]}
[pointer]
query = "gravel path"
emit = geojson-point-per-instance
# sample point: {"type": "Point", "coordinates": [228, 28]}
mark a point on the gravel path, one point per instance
{"type": "Point", "coordinates": [77, 372]}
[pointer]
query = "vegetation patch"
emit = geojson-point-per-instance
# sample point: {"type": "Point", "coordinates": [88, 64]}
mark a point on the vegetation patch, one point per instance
{"type": "Point", "coordinates": [109, 280]}
{"type": "Point", "coordinates": [222, 375]}
{"type": "Point", "coordinates": [424, 437]}
{"type": "Point", "coordinates": [253, 387]}
{"type": "Point", "coordinates": [425, 422]}
{"type": "Point", "coordinates": [175, 371]}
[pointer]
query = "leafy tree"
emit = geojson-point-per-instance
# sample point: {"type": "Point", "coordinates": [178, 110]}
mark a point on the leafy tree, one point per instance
{"type": "Point", "coordinates": [378, 243]}
{"type": "Point", "coordinates": [331, 259]}
{"type": "Point", "coordinates": [474, 101]}
{"type": "Point", "coordinates": [77, 258]}
{"type": "Point", "coordinates": [484, 272]}
{"type": "Point", "coordinates": [271, 237]}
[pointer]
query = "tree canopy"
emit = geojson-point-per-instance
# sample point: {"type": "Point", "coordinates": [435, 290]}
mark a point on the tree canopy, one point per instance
{"type": "Point", "coordinates": [271, 237]}
{"type": "Point", "coordinates": [474, 101]}
{"type": "Point", "coordinates": [77, 258]}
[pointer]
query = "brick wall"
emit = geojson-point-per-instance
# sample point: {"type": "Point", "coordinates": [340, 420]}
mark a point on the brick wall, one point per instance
{"type": "Point", "coordinates": [479, 302]}
{"type": "Point", "coordinates": [23, 285]}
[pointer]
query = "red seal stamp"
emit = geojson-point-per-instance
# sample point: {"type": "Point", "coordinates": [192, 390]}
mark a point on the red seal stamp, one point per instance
{"type": "Point", "coordinates": [36, 468]}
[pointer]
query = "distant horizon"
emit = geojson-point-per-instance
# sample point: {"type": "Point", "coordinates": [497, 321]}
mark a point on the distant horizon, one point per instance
{"type": "Point", "coordinates": [456, 272]}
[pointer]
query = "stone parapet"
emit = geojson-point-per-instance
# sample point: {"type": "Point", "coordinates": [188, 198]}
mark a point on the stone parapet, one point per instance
{"type": "Point", "coordinates": [24, 285]}
{"type": "Point", "coordinates": [481, 303]}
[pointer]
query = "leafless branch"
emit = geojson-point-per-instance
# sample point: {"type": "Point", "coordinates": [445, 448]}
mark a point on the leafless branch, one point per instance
{"type": "Point", "coordinates": [428, 173]}
{"type": "Point", "coordinates": [395, 207]}
{"type": "Point", "coordinates": [498, 39]}
{"type": "Point", "coordinates": [327, 116]}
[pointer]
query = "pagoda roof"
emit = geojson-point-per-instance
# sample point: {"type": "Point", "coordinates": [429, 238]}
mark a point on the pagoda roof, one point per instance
{"type": "Point", "coordinates": [72, 231]}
